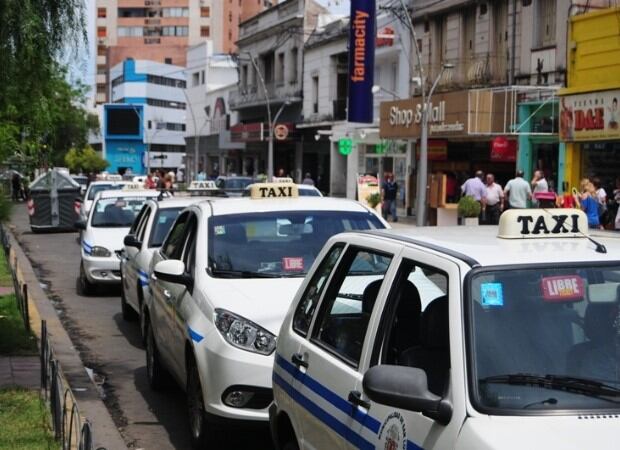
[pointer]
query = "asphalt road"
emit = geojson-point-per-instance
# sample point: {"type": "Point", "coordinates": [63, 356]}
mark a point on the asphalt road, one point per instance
{"type": "Point", "coordinates": [112, 348]}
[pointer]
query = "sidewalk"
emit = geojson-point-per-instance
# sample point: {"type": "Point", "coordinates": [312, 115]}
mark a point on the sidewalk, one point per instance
{"type": "Point", "coordinates": [20, 371]}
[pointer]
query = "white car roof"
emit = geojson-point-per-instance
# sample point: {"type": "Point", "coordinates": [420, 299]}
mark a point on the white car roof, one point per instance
{"type": "Point", "coordinates": [119, 193]}
{"type": "Point", "coordinates": [246, 204]}
{"type": "Point", "coordinates": [177, 202]}
{"type": "Point", "coordinates": [483, 246]}
{"type": "Point", "coordinates": [94, 183]}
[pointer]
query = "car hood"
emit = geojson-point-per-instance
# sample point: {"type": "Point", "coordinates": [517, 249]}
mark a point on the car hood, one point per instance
{"type": "Point", "coordinates": [540, 432]}
{"type": "Point", "coordinates": [110, 238]}
{"type": "Point", "coordinates": [264, 301]}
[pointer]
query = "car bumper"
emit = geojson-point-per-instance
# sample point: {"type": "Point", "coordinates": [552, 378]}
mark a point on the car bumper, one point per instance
{"type": "Point", "coordinates": [102, 270]}
{"type": "Point", "coordinates": [225, 368]}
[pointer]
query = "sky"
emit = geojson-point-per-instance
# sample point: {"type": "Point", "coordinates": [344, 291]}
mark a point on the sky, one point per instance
{"type": "Point", "coordinates": [83, 68]}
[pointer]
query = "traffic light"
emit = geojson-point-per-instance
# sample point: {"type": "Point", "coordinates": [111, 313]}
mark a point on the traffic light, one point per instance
{"type": "Point", "coordinates": [345, 146]}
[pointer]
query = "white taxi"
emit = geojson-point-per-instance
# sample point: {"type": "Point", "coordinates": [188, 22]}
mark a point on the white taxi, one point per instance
{"type": "Point", "coordinates": [221, 284]}
{"type": "Point", "coordinates": [455, 338]}
{"type": "Point", "coordinates": [102, 234]}
{"type": "Point", "coordinates": [93, 189]}
{"type": "Point", "coordinates": [145, 236]}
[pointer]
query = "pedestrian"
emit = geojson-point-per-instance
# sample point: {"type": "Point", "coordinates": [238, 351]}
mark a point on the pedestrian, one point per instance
{"type": "Point", "coordinates": [495, 200]}
{"type": "Point", "coordinates": [451, 188]}
{"type": "Point", "coordinates": [150, 183]}
{"type": "Point", "coordinates": [16, 187]}
{"type": "Point", "coordinates": [518, 191]}
{"type": "Point", "coordinates": [161, 179]}
{"type": "Point", "coordinates": [617, 199]}
{"type": "Point", "coordinates": [389, 191]}
{"type": "Point", "coordinates": [201, 175]}
{"type": "Point", "coordinates": [586, 199]}
{"type": "Point", "coordinates": [539, 184]}
{"type": "Point", "coordinates": [474, 187]}
{"type": "Point", "coordinates": [601, 198]}
{"type": "Point", "coordinates": [308, 179]}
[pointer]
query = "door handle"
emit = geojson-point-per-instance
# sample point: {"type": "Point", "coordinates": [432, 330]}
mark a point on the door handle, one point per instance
{"type": "Point", "coordinates": [355, 397]}
{"type": "Point", "coordinates": [168, 295]}
{"type": "Point", "coordinates": [153, 277]}
{"type": "Point", "coordinates": [298, 360]}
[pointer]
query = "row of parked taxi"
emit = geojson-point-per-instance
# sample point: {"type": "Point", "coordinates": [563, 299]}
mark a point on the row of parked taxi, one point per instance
{"type": "Point", "coordinates": [309, 313]}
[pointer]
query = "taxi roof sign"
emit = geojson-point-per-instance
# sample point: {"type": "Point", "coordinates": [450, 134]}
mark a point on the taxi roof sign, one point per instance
{"type": "Point", "coordinates": [542, 223]}
{"type": "Point", "coordinates": [201, 185]}
{"type": "Point", "coordinates": [273, 190]}
{"type": "Point", "coordinates": [283, 180]}
{"type": "Point", "coordinates": [132, 186]}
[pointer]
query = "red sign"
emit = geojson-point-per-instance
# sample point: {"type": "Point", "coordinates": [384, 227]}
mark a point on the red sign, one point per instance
{"type": "Point", "coordinates": [565, 288]}
{"type": "Point", "coordinates": [503, 149]}
{"type": "Point", "coordinates": [437, 150]}
{"type": "Point", "coordinates": [280, 131]}
{"type": "Point", "coordinates": [385, 38]}
{"type": "Point", "coordinates": [293, 264]}
{"type": "Point", "coordinates": [246, 132]}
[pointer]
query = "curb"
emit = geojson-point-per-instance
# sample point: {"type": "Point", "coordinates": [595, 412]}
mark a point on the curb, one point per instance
{"type": "Point", "coordinates": [105, 433]}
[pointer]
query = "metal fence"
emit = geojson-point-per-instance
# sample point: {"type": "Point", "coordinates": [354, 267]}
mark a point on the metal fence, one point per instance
{"type": "Point", "coordinates": [72, 430]}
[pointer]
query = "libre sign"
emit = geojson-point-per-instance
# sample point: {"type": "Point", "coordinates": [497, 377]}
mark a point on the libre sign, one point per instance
{"type": "Point", "coordinates": [361, 60]}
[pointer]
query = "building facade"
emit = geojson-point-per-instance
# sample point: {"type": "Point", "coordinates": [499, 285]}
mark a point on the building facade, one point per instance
{"type": "Point", "coordinates": [270, 49]}
{"type": "Point", "coordinates": [162, 30]}
{"type": "Point", "coordinates": [211, 79]}
{"type": "Point", "coordinates": [589, 113]}
{"type": "Point", "coordinates": [152, 94]}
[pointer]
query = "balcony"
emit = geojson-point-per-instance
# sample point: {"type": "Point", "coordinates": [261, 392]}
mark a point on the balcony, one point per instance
{"type": "Point", "coordinates": [254, 95]}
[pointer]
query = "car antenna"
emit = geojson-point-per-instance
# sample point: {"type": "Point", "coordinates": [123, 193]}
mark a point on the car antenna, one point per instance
{"type": "Point", "coordinates": [599, 248]}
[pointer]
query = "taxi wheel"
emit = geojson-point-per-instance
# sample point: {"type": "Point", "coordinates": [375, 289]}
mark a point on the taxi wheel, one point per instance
{"type": "Point", "coordinates": [156, 373]}
{"type": "Point", "coordinates": [129, 314]}
{"type": "Point", "coordinates": [86, 287]}
{"type": "Point", "coordinates": [203, 436]}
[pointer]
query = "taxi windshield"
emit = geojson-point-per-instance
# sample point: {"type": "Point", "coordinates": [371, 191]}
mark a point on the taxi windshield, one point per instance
{"type": "Point", "coordinates": [276, 244]}
{"type": "Point", "coordinates": [545, 339]}
{"type": "Point", "coordinates": [116, 212]}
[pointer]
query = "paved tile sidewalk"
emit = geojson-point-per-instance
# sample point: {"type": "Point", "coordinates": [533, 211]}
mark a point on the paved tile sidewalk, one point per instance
{"type": "Point", "coordinates": [22, 371]}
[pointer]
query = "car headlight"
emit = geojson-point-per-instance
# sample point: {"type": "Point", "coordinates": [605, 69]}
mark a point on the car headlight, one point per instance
{"type": "Point", "coordinates": [243, 333]}
{"type": "Point", "coordinates": [100, 252]}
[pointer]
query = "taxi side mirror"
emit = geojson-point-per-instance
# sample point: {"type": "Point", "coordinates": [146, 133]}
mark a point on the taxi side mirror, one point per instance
{"type": "Point", "coordinates": [406, 388]}
{"type": "Point", "coordinates": [78, 199]}
{"type": "Point", "coordinates": [131, 241]}
{"type": "Point", "coordinates": [79, 225]}
{"type": "Point", "coordinates": [173, 271]}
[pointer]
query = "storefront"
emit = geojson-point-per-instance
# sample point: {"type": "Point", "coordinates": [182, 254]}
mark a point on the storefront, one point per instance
{"type": "Point", "coordinates": [453, 149]}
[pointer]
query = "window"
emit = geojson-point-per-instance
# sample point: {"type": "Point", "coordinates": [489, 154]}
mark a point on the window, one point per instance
{"type": "Point", "coordinates": [205, 31]}
{"type": "Point", "coordinates": [205, 11]}
{"type": "Point", "coordinates": [102, 32]}
{"type": "Point", "coordinates": [195, 78]}
{"type": "Point", "coordinates": [189, 252]}
{"type": "Point", "coordinates": [244, 76]}
{"type": "Point", "coordinates": [202, 77]}
{"type": "Point", "coordinates": [546, 23]}
{"type": "Point", "coordinates": [173, 244]}
{"type": "Point", "coordinates": [101, 13]}
{"type": "Point", "coordinates": [174, 31]}
{"type": "Point", "coordinates": [414, 328]}
{"type": "Point", "coordinates": [280, 68]}
{"type": "Point", "coordinates": [116, 212]}
{"type": "Point", "coordinates": [101, 88]}
{"type": "Point", "coordinates": [294, 58]}
{"type": "Point", "coordinates": [100, 69]}
{"type": "Point", "coordinates": [138, 222]}
{"type": "Point", "coordinates": [348, 303]}
{"type": "Point", "coordinates": [315, 94]}
{"type": "Point", "coordinates": [101, 50]}
{"type": "Point", "coordinates": [130, 31]}
{"type": "Point", "coordinates": [142, 225]}
{"type": "Point", "coordinates": [175, 12]}
{"type": "Point", "coordinates": [307, 305]}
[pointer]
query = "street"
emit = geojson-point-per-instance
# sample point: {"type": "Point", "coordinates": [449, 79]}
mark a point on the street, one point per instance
{"type": "Point", "coordinates": [113, 349]}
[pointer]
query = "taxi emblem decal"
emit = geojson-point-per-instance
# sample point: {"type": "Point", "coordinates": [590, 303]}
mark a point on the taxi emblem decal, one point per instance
{"type": "Point", "coordinates": [393, 433]}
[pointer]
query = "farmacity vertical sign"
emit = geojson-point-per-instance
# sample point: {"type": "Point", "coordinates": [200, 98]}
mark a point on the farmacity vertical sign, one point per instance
{"type": "Point", "coordinates": [361, 60]}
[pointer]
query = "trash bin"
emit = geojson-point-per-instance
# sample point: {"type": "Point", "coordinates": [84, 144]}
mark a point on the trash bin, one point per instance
{"type": "Point", "coordinates": [52, 201]}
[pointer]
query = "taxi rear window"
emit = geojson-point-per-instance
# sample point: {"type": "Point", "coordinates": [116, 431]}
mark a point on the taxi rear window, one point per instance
{"type": "Point", "coordinates": [276, 244]}
{"type": "Point", "coordinates": [117, 212]}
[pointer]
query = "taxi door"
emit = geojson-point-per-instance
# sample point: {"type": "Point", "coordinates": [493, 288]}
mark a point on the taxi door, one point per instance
{"type": "Point", "coordinates": [129, 254]}
{"type": "Point", "coordinates": [329, 404]}
{"type": "Point", "coordinates": [418, 324]}
{"type": "Point", "coordinates": [163, 293]}
{"type": "Point", "coordinates": [181, 300]}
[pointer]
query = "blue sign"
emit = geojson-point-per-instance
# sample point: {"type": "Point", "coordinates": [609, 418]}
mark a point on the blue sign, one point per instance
{"type": "Point", "coordinates": [362, 34]}
{"type": "Point", "coordinates": [125, 155]}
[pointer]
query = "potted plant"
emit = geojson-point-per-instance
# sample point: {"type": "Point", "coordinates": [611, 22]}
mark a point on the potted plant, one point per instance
{"type": "Point", "coordinates": [469, 210]}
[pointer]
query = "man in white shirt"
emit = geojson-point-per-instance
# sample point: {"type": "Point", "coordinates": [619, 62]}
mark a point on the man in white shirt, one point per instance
{"type": "Point", "coordinates": [518, 191]}
{"type": "Point", "coordinates": [539, 184]}
{"type": "Point", "coordinates": [495, 200]}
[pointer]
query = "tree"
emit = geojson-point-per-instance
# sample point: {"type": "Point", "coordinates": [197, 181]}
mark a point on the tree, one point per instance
{"type": "Point", "coordinates": [38, 106]}
{"type": "Point", "coordinates": [85, 160]}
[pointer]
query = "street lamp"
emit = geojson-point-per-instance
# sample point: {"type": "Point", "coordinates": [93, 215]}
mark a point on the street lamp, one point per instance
{"type": "Point", "coordinates": [423, 166]}
{"type": "Point", "coordinates": [376, 89]}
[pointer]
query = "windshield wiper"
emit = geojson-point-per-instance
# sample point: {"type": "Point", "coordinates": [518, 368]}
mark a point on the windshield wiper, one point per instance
{"type": "Point", "coordinates": [243, 274]}
{"type": "Point", "coordinates": [577, 385]}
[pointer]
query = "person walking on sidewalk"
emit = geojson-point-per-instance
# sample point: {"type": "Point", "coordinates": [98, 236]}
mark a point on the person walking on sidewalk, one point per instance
{"type": "Point", "coordinates": [518, 191]}
{"type": "Point", "coordinates": [495, 200]}
{"type": "Point", "coordinates": [389, 191]}
{"type": "Point", "coordinates": [539, 184]}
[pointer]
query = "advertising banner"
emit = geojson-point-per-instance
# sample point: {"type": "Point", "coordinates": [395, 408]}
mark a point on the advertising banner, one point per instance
{"type": "Point", "coordinates": [590, 117]}
{"type": "Point", "coordinates": [362, 37]}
